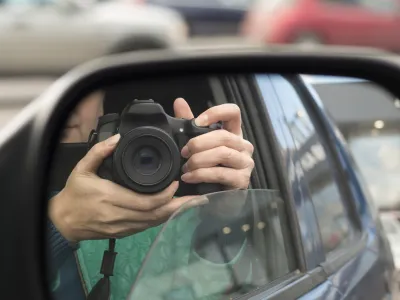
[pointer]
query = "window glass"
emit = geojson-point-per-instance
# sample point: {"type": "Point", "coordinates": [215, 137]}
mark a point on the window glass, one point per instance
{"type": "Point", "coordinates": [237, 246]}
{"type": "Point", "coordinates": [372, 134]}
{"type": "Point", "coordinates": [389, 225]}
{"type": "Point", "coordinates": [318, 170]}
{"type": "Point", "coordinates": [377, 153]}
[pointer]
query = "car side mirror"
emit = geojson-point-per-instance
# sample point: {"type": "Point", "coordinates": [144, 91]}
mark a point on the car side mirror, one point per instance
{"type": "Point", "coordinates": [29, 145]}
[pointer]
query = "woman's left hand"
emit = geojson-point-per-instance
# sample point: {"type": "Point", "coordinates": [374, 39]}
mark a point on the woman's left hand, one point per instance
{"type": "Point", "coordinates": [221, 156]}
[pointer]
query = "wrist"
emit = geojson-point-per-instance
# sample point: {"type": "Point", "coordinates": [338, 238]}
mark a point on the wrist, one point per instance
{"type": "Point", "coordinates": [58, 218]}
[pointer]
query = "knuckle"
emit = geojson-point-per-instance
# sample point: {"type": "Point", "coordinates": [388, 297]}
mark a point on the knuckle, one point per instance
{"type": "Point", "coordinates": [251, 164]}
{"type": "Point", "coordinates": [193, 145]}
{"type": "Point", "coordinates": [159, 200]}
{"type": "Point", "coordinates": [112, 231]}
{"type": "Point", "coordinates": [249, 147]}
{"type": "Point", "coordinates": [235, 108]}
{"type": "Point", "coordinates": [197, 174]}
{"type": "Point", "coordinates": [148, 204]}
{"type": "Point", "coordinates": [220, 175]}
{"type": "Point", "coordinates": [106, 190]}
{"type": "Point", "coordinates": [153, 216]}
{"type": "Point", "coordinates": [226, 136]}
{"type": "Point", "coordinates": [78, 169]}
{"type": "Point", "coordinates": [227, 153]}
{"type": "Point", "coordinates": [105, 217]}
{"type": "Point", "coordinates": [193, 163]}
{"type": "Point", "coordinates": [244, 180]}
{"type": "Point", "coordinates": [168, 196]}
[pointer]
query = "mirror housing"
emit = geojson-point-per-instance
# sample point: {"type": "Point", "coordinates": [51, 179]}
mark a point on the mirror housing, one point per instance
{"type": "Point", "coordinates": [28, 142]}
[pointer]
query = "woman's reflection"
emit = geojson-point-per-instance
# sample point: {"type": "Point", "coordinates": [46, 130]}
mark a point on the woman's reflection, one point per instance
{"type": "Point", "coordinates": [84, 118]}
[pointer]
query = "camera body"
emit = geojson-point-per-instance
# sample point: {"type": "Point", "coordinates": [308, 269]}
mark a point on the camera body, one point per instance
{"type": "Point", "coordinates": [148, 157]}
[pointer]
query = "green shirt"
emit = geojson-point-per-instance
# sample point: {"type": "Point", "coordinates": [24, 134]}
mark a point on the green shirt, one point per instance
{"type": "Point", "coordinates": [173, 270]}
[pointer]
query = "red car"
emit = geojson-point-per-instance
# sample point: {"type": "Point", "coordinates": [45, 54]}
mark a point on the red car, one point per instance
{"type": "Point", "coordinates": [368, 23]}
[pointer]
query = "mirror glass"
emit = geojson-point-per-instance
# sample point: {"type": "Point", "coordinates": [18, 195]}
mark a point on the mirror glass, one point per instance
{"type": "Point", "coordinates": [172, 188]}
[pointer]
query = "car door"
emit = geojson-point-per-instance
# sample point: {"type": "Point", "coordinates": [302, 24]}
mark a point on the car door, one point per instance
{"type": "Point", "coordinates": [348, 234]}
{"type": "Point", "coordinates": [279, 225]}
{"type": "Point", "coordinates": [329, 215]}
{"type": "Point", "coordinates": [274, 144]}
{"type": "Point", "coordinates": [45, 36]}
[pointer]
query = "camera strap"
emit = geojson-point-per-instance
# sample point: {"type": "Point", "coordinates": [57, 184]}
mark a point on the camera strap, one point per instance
{"type": "Point", "coordinates": [102, 289]}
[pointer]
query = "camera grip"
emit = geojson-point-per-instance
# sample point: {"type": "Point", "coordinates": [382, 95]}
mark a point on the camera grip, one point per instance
{"type": "Point", "coordinates": [186, 189]}
{"type": "Point", "coordinates": [199, 130]}
{"type": "Point", "coordinates": [208, 188]}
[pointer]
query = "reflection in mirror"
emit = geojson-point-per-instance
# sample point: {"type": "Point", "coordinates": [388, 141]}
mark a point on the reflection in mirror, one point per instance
{"type": "Point", "coordinates": [134, 153]}
{"type": "Point", "coordinates": [369, 118]}
{"type": "Point", "coordinates": [225, 255]}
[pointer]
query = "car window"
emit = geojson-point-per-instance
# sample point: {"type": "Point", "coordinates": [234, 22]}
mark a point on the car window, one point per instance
{"type": "Point", "coordinates": [238, 247]}
{"type": "Point", "coordinates": [372, 135]}
{"type": "Point", "coordinates": [389, 226]}
{"type": "Point", "coordinates": [377, 153]}
{"type": "Point", "coordinates": [318, 171]}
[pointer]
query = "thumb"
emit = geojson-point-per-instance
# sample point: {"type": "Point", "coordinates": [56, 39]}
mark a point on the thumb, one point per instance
{"type": "Point", "coordinates": [94, 158]}
{"type": "Point", "coordinates": [182, 109]}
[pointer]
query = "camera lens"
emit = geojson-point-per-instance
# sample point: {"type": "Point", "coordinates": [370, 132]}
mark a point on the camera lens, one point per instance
{"type": "Point", "coordinates": [147, 160]}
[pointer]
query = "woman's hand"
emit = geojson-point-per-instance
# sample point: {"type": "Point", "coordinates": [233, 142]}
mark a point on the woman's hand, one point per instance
{"type": "Point", "coordinates": [221, 156]}
{"type": "Point", "coordinates": [93, 208]}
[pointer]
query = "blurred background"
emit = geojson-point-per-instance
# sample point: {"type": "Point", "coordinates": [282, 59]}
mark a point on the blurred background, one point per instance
{"type": "Point", "coordinates": [42, 39]}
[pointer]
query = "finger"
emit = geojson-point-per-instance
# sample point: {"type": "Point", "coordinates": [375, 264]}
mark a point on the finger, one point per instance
{"type": "Point", "coordinates": [116, 215]}
{"type": "Point", "coordinates": [228, 114]}
{"type": "Point", "coordinates": [216, 139]}
{"type": "Point", "coordinates": [125, 222]}
{"type": "Point", "coordinates": [128, 199]}
{"type": "Point", "coordinates": [94, 158]}
{"type": "Point", "coordinates": [222, 156]}
{"type": "Point", "coordinates": [182, 109]}
{"type": "Point", "coordinates": [225, 176]}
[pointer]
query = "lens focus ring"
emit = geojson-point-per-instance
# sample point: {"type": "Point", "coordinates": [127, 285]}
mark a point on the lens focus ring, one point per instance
{"type": "Point", "coordinates": [147, 160]}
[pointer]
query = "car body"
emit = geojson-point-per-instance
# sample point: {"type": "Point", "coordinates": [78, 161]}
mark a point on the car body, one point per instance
{"type": "Point", "coordinates": [325, 240]}
{"type": "Point", "coordinates": [51, 37]}
{"type": "Point", "coordinates": [210, 17]}
{"type": "Point", "coordinates": [310, 22]}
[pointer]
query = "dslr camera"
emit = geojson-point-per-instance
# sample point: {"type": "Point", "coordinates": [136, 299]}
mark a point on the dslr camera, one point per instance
{"type": "Point", "coordinates": [148, 157]}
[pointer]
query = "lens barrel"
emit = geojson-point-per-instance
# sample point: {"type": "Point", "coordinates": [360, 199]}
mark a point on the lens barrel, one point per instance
{"type": "Point", "coordinates": [147, 160]}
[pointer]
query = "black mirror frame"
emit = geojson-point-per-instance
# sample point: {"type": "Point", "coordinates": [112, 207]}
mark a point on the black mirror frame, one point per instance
{"type": "Point", "coordinates": [28, 142]}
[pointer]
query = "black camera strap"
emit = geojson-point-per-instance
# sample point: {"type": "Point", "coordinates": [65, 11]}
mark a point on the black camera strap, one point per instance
{"type": "Point", "coordinates": [102, 289]}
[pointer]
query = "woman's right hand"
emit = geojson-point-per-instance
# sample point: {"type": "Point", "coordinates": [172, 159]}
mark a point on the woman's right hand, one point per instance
{"type": "Point", "coordinates": [90, 207]}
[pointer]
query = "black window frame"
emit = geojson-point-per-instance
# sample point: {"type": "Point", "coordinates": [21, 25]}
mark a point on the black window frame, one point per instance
{"type": "Point", "coordinates": [309, 100]}
{"type": "Point", "coordinates": [240, 90]}
{"type": "Point", "coordinates": [328, 140]}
